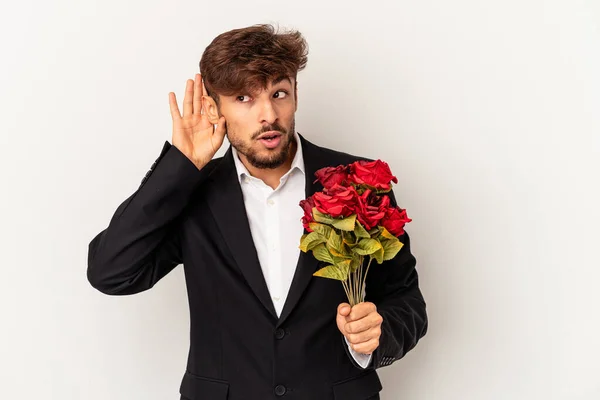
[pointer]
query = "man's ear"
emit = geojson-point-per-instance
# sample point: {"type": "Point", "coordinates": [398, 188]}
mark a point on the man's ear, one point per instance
{"type": "Point", "coordinates": [211, 109]}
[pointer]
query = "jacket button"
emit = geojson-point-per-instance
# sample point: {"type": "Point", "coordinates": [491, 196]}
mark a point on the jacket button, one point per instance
{"type": "Point", "coordinates": [279, 333]}
{"type": "Point", "coordinates": [279, 390]}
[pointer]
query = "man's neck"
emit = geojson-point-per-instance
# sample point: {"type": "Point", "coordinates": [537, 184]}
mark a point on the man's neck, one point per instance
{"type": "Point", "coordinates": [271, 177]}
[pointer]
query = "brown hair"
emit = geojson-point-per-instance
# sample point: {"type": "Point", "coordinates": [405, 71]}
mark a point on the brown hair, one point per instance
{"type": "Point", "coordinates": [246, 59]}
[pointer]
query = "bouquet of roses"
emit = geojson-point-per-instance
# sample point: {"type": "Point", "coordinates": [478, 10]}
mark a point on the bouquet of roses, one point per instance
{"type": "Point", "coordinates": [351, 220]}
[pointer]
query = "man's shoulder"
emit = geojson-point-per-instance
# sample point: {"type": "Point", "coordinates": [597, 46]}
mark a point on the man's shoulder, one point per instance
{"type": "Point", "coordinates": [339, 156]}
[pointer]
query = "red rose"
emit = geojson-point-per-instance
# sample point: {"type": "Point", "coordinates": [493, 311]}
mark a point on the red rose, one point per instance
{"type": "Point", "coordinates": [307, 205]}
{"type": "Point", "coordinates": [337, 201]}
{"type": "Point", "coordinates": [394, 220]}
{"type": "Point", "coordinates": [375, 174]}
{"type": "Point", "coordinates": [330, 176]}
{"type": "Point", "coordinates": [371, 209]}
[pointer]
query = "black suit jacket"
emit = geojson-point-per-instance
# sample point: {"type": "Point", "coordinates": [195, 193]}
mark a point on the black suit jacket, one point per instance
{"type": "Point", "coordinates": [239, 348]}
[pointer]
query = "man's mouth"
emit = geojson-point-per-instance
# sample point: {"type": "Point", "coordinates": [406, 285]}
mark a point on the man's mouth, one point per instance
{"type": "Point", "coordinates": [268, 136]}
{"type": "Point", "coordinates": [270, 139]}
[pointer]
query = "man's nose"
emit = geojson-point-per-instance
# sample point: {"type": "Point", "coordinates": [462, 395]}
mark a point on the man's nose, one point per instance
{"type": "Point", "coordinates": [268, 113]}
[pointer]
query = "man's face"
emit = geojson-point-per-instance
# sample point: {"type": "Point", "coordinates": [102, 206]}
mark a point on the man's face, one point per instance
{"type": "Point", "coordinates": [261, 125]}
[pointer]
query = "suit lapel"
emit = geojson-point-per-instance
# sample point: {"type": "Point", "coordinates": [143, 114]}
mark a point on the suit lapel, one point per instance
{"type": "Point", "coordinates": [307, 264]}
{"type": "Point", "coordinates": [226, 202]}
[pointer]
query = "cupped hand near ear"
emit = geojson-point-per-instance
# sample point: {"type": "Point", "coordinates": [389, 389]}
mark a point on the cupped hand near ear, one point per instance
{"type": "Point", "coordinates": [193, 134]}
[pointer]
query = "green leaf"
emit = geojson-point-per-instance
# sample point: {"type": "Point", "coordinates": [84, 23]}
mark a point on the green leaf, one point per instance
{"type": "Point", "coordinates": [334, 252]}
{"type": "Point", "coordinates": [339, 259]}
{"type": "Point", "coordinates": [322, 254]}
{"type": "Point", "coordinates": [320, 217]}
{"type": "Point", "coordinates": [344, 266]}
{"type": "Point", "coordinates": [355, 264]}
{"type": "Point", "coordinates": [335, 241]}
{"type": "Point", "coordinates": [383, 191]}
{"type": "Point", "coordinates": [349, 238]}
{"type": "Point", "coordinates": [309, 241]}
{"type": "Point", "coordinates": [378, 255]}
{"type": "Point", "coordinates": [345, 224]}
{"type": "Point", "coordinates": [391, 248]}
{"type": "Point", "coordinates": [374, 233]}
{"type": "Point", "coordinates": [367, 247]}
{"type": "Point", "coordinates": [386, 234]}
{"type": "Point", "coordinates": [360, 231]}
{"type": "Point", "coordinates": [332, 272]}
{"type": "Point", "coordinates": [321, 229]}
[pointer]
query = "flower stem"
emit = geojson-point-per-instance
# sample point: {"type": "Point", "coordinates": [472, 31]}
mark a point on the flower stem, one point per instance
{"type": "Point", "coordinates": [345, 285]}
{"type": "Point", "coordinates": [364, 278]}
{"type": "Point", "coordinates": [352, 284]}
{"type": "Point", "coordinates": [357, 283]}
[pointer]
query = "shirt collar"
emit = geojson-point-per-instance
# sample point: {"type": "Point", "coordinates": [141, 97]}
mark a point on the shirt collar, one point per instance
{"type": "Point", "coordinates": [297, 162]}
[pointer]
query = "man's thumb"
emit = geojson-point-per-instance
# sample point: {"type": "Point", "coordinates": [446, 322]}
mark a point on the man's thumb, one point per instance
{"type": "Point", "coordinates": [344, 309]}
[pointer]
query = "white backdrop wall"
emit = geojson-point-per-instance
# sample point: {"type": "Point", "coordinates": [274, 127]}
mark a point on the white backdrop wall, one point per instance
{"type": "Point", "coordinates": [487, 111]}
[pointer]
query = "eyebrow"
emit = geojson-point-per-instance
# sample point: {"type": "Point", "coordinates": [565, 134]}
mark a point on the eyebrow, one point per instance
{"type": "Point", "coordinates": [281, 78]}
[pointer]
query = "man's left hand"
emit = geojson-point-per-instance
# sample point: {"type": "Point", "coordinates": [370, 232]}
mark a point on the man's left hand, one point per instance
{"type": "Point", "coordinates": [361, 325]}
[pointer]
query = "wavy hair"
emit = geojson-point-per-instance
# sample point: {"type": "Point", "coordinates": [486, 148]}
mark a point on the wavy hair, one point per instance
{"type": "Point", "coordinates": [245, 60]}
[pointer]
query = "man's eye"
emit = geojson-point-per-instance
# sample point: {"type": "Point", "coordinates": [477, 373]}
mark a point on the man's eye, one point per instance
{"type": "Point", "coordinates": [279, 96]}
{"type": "Point", "coordinates": [241, 98]}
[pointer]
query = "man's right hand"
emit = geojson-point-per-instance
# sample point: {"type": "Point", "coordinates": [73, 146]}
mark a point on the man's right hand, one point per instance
{"type": "Point", "coordinates": [193, 134]}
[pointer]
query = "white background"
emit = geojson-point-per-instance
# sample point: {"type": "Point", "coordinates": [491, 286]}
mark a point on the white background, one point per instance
{"type": "Point", "coordinates": [487, 111]}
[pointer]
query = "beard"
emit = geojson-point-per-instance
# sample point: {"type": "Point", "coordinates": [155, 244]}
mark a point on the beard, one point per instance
{"type": "Point", "coordinates": [275, 157]}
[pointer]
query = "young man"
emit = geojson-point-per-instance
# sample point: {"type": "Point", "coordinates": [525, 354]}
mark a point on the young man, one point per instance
{"type": "Point", "coordinates": [262, 327]}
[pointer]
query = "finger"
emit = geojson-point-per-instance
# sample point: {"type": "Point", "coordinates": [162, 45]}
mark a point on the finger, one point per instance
{"type": "Point", "coordinates": [356, 338]}
{"type": "Point", "coordinates": [204, 92]}
{"type": "Point", "coordinates": [358, 326]}
{"type": "Point", "coordinates": [219, 132]}
{"type": "Point", "coordinates": [197, 95]}
{"type": "Point", "coordinates": [173, 106]}
{"type": "Point", "coordinates": [366, 347]}
{"type": "Point", "coordinates": [343, 309]}
{"type": "Point", "coordinates": [188, 105]}
{"type": "Point", "coordinates": [361, 310]}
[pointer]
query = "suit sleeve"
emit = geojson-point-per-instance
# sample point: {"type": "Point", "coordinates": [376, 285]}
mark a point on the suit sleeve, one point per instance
{"type": "Point", "coordinates": [142, 241]}
{"type": "Point", "coordinates": [394, 288]}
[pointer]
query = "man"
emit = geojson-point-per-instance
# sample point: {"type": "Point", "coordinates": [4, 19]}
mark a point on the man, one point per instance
{"type": "Point", "coordinates": [262, 326]}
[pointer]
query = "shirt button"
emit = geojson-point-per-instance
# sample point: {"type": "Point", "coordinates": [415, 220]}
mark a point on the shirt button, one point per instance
{"type": "Point", "coordinates": [280, 390]}
{"type": "Point", "coordinates": [270, 202]}
{"type": "Point", "coordinates": [279, 333]}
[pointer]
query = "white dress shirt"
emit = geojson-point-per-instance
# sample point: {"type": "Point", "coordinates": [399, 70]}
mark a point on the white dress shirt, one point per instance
{"type": "Point", "coordinates": [274, 216]}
